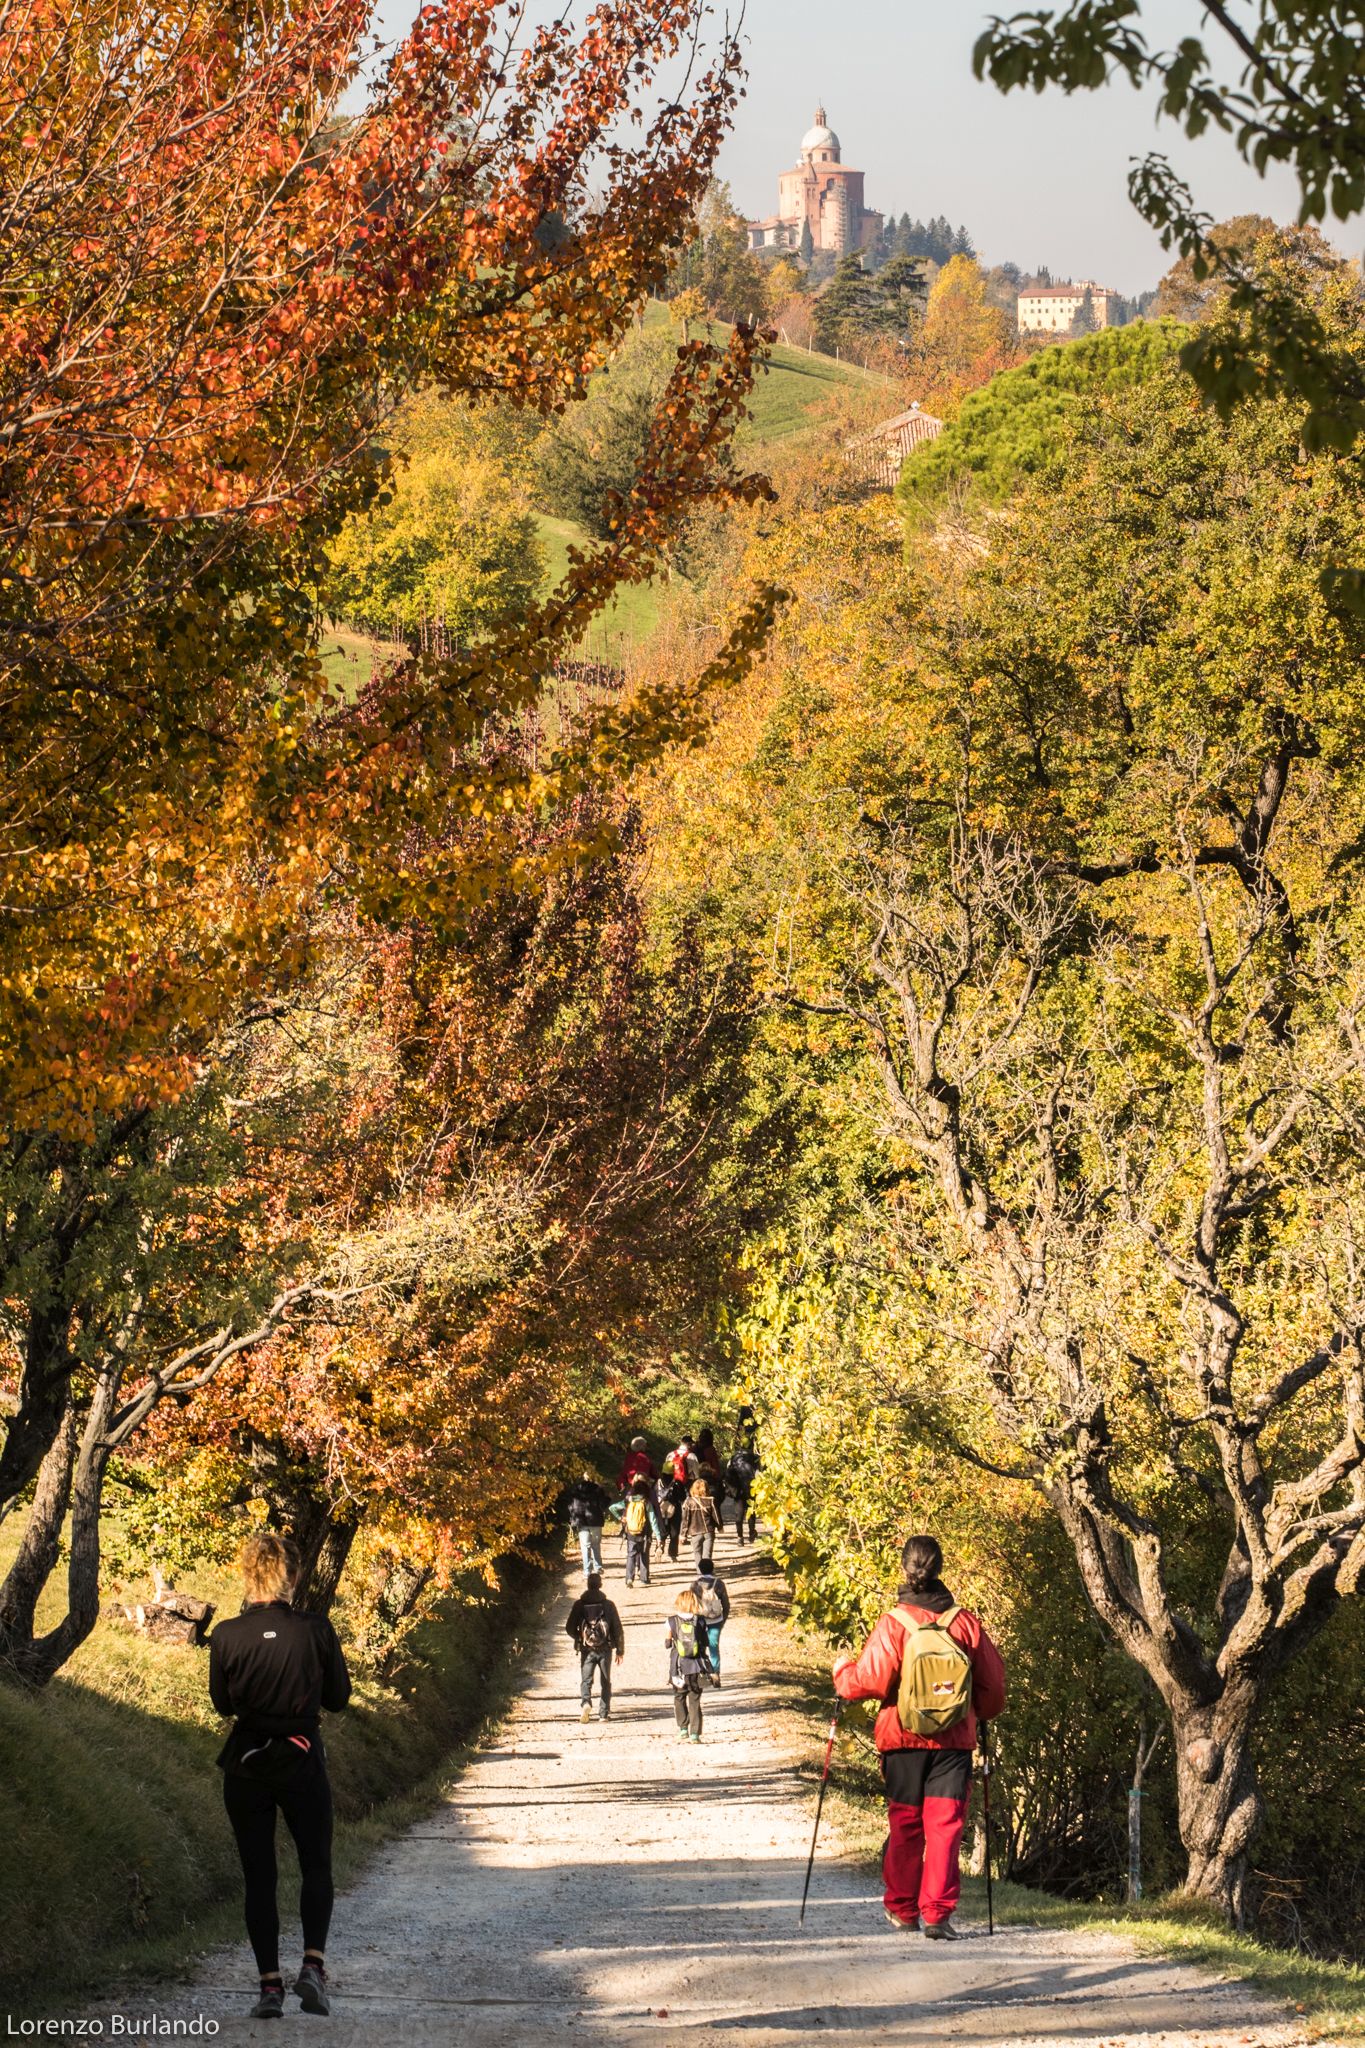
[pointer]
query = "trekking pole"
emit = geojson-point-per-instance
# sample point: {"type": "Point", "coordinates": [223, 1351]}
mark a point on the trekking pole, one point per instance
{"type": "Point", "coordinates": [819, 1808]}
{"type": "Point", "coordinates": [986, 1813]}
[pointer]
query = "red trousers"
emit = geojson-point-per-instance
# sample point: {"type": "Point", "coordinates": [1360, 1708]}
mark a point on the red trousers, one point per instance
{"type": "Point", "coordinates": [927, 1793]}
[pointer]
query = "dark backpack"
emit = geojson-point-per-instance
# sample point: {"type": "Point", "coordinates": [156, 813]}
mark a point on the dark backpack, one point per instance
{"type": "Point", "coordinates": [594, 1631]}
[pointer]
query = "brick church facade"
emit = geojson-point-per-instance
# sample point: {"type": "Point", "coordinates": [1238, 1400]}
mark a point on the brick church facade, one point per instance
{"type": "Point", "coordinates": [823, 193]}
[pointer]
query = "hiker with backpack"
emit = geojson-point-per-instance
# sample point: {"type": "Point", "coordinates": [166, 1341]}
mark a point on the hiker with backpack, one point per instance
{"type": "Point", "coordinates": [708, 1465]}
{"type": "Point", "coordinates": [636, 1520]}
{"type": "Point", "coordinates": [714, 1609]}
{"type": "Point", "coordinates": [587, 1505]}
{"type": "Point", "coordinates": [594, 1626]}
{"type": "Point", "coordinates": [688, 1663]}
{"type": "Point", "coordinates": [739, 1477]}
{"type": "Point", "coordinates": [276, 1669]}
{"type": "Point", "coordinates": [937, 1673]}
{"type": "Point", "coordinates": [700, 1520]}
{"type": "Point", "coordinates": [669, 1496]}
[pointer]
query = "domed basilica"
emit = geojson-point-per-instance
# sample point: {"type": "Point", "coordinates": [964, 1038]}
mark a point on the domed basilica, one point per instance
{"type": "Point", "coordinates": [822, 193]}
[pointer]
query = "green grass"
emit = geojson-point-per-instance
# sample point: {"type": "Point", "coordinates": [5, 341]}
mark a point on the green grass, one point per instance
{"type": "Point", "coordinates": [791, 396]}
{"type": "Point", "coordinates": [629, 619]}
{"type": "Point", "coordinates": [116, 1846]}
{"type": "Point", "coordinates": [349, 659]}
{"type": "Point", "coordinates": [1328, 1997]}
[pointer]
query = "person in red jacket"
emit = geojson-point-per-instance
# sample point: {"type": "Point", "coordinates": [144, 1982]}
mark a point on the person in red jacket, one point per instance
{"type": "Point", "coordinates": [638, 1465]}
{"type": "Point", "coordinates": [928, 1777]}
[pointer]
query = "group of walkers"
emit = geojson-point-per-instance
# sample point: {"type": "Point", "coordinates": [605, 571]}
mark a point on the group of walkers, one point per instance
{"type": "Point", "coordinates": [275, 1668]}
{"type": "Point", "coordinates": [692, 1634]}
{"type": "Point", "coordinates": [680, 1503]}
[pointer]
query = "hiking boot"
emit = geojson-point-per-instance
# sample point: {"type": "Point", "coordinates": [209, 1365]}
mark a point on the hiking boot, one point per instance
{"type": "Point", "coordinates": [586, 1714]}
{"type": "Point", "coordinates": [941, 1930]}
{"type": "Point", "coordinates": [270, 2004]}
{"type": "Point", "coordinates": [311, 1986]}
{"type": "Point", "coordinates": [905, 1926]}
{"type": "Point", "coordinates": [694, 1738]}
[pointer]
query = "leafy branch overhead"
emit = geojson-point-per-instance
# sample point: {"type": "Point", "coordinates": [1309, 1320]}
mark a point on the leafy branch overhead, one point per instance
{"type": "Point", "coordinates": [1295, 95]}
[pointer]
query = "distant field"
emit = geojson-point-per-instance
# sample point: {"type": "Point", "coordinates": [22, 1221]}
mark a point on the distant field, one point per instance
{"type": "Point", "coordinates": [628, 621]}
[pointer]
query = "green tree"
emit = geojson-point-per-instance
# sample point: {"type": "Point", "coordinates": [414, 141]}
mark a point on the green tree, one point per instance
{"type": "Point", "coordinates": [587, 463]}
{"type": "Point", "coordinates": [1012, 427]}
{"type": "Point", "coordinates": [1059, 830]}
{"type": "Point", "coordinates": [451, 541]}
{"type": "Point", "coordinates": [1084, 321]}
{"type": "Point", "coordinates": [858, 305]}
{"type": "Point", "coordinates": [1295, 97]}
{"type": "Point", "coordinates": [807, 245]}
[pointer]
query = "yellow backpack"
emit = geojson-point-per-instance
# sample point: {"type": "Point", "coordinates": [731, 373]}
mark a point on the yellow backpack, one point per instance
{"type": "Point", "coordinates": [637, 1515]}
{"type": "Point", "coordinates": [935, 1690]}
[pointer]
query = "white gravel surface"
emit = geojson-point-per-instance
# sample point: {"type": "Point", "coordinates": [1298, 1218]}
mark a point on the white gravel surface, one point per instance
{"type": "Point", "coordinates": [609, 1884]}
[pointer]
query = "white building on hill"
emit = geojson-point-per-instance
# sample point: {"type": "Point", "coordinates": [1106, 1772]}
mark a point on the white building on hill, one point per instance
{"type": "Point", "coordinates": [1051, 309]}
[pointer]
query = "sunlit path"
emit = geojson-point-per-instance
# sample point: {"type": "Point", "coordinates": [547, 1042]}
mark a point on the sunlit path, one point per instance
{"type": "Point", "coordinates": [608, 1883]}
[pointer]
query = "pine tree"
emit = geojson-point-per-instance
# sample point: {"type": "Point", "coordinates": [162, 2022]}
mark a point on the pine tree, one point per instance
{"type": "Point", "coordinates": [807, 242]}
{"type": "Point", "coordinates": [1084, 321]}
{"type": "Point", "coordinates": [843, 308]}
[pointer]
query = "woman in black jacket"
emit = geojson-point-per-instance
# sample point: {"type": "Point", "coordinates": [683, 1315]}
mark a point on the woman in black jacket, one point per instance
{"type": "Point", "coordinates": [274, 1669]}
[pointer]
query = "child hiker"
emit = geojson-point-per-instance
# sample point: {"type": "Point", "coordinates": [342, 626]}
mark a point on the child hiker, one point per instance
{"type": "Point", "coordinates": [688, 1663]}
{"type": "Point", "coordinates": [936, 1672]}
{"type": "Point", "coordinates": [714, 1608]}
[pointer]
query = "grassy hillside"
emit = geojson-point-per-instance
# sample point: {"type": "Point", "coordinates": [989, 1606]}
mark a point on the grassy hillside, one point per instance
{"type": "Point", "coordinates": [791, 398]}
{"type": "Point", "coordinates": [110, 1794]}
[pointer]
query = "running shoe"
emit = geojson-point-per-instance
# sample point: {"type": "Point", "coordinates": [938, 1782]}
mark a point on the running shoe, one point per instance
{"type": "Point", "coordinates": [311, 1986]}
{"type": "Point", "coordinates": [270, 2004]}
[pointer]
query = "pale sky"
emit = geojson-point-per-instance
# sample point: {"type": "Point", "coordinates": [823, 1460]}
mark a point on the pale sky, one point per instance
{"type": "Point", "coordinates": [1039, 180]}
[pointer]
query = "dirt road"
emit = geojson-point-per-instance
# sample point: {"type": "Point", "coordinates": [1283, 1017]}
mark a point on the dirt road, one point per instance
{"type": "Point", "coordinates": [608, 1884]}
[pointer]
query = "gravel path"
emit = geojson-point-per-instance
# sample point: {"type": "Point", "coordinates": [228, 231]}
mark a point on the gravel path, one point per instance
{"type": "Point", "coordinates": [608, 1884]}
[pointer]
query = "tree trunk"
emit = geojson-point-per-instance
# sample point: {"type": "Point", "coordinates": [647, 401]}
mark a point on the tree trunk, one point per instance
{"type": "Point", "coordinates": [36, 1659]}
{"type": "Point", "coordinates": [324, 1561]}
{"type": "Point", "coordinates": [36, 1558]}
{"type": "Point", "coordinates": [1219, 1798]}
{"type": "Point", "coordinates": [44, 1396]}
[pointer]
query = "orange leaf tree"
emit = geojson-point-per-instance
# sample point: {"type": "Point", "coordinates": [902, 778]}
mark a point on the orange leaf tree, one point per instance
{"type": "Point", "coordinates": [213, 286]}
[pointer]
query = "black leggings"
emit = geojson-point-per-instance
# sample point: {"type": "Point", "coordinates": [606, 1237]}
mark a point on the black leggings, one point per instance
{"type": "Point", "coordinates": [307, 1808]}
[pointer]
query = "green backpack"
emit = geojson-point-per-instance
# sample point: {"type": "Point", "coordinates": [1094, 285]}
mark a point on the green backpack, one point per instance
{"type": "Point", "coordinates": [935, 1691]}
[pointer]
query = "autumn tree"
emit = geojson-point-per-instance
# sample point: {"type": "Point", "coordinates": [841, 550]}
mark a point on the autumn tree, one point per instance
{"type": "Point", "coordinates": [538, 1126]}
{"type": "Point", "coordinates": [209, 281]}
{"type": "Point", "coordinates": [964, 339]}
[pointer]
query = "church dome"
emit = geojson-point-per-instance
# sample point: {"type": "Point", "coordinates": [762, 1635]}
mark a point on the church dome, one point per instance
{"type": "Point", "coordinates": [819, 137]}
